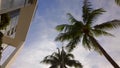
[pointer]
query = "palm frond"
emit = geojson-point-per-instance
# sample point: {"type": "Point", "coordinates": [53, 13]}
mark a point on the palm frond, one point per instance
{"type": "Point", "coordinates": [108, 25]}
{"type": "Point", "coordinates": [59, 53]}
{"type": "Point", "coordinates": [72, 44]}
{"type": "Point", "coordinates": [56, 54]}
{"type": "Point", "coordinates": [74, 32]}
{"type": "Point", "coordinates": [74, 63]}
{"type": "Point", "coordinates": [47, 61]}
{"type": "Point", "coordinates": [5, 20]}
{"type": "Point", "coordinates": [71, 19]}
{"type": "Point", "coordinates": [50, 59]}
{"type": "Point", "coordinates": [63, 27]}
{"type": "Point", "coordinates": [90, 43]}
{"type": "Point", "coordinates": [64, 58]}
{"type": "Point", "coordinates": [94, 14]}
{"type": "Point", "coordinates": [68, 28]}
{"type": "Point", "coordinates": [98, 32]}
{"type": "Point", "coordinates": [63, 37]}
{"type": "Point", "coordinates": [55, 58]}
{"type": "Point", "coordinates": [86, 42]}
{"type": "Point", "coordinates": [94, 44]}
{"type": "Point", "coordinates": [1, 35]}
{"type": "Point", "coordinates": [53, 66]}
{"type": "Point", "coordinates": [117, 2]}
{"type": "Point", "coordinates": [70, 55]}
{"type": "Point", "coordinates": [86, 10]}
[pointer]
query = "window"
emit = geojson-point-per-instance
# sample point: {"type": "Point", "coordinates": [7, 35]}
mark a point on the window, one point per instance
{"type": "Point", "coordinates": [11, 29]}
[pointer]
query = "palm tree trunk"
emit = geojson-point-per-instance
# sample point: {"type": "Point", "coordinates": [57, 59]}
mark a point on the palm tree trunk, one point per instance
{"type": "Point", "coordinates": [61, 66]}
{"type": "Point", "coordinates": [115, 65]}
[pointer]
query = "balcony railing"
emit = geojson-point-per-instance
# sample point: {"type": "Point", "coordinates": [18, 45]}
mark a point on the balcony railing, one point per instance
{"type": "Point", "coordinates": [8, 49]}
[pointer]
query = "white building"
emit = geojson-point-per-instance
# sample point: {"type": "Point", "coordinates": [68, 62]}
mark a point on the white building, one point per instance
{"type": "Point", "coordinates": [21, 13]}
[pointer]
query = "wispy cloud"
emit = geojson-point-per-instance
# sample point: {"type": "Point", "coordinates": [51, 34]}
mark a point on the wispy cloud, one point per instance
{"type": "Point", "coordinates": [40, 41]}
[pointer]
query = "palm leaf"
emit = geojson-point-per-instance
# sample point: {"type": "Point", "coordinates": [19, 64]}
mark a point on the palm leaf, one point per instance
{"type": "Point", "coordinates": [94, 44]}
{"type": "Point", "coordinates": [98, 32]}
{"type": "Point", "coordinates": [63, 36]}
{"type": "Point", "coordinates": [86, 10]}
{"type": "Point", "coordinates": [75, 63]}
{"type": "Point", "coordinates": [68, 35]}
{"type": "Point", "coordinates": [70, 55]}
{"type": "Point", "coordinates": [90, 44]}
{"type": "Point", "coordinates": [72, 44]}
{"type": "Point", "coordinates": [86, 42]}
{"type": "Point", "coordinates": [47, 61]}
{"type": "Point", "coordinates": [71, 19]}
{"type": "Point", "coordinates": [50, 60]}
{"type": "Point", "coordinates": [53, 66]}
{"type": "Point", "coordinates": [63, 27]}
{"type": "Point", "coordinates": [94, 14]}
{"type": "Point", "coordinates": [72, 32]}
{"type": "Point", "coordinates": [5, 20]}
{"type": "Point", "coordinates": [117, 2]}
{"type": "Point", "coordinates": [108, 25]}
{"type": "Point", "coordinates": [64, 58]}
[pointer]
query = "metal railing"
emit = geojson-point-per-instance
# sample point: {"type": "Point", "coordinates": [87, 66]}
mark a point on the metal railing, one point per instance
{"type": "Point", "coordinates": [6, 53]}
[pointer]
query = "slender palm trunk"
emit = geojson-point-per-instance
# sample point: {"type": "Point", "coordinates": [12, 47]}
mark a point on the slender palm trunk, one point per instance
{"type": "Point", "coordinates": [61, 66]}
{"type": "Point", "coordinates": [62, 56]}
{"type": "Point", "coordinates": [115, 65]}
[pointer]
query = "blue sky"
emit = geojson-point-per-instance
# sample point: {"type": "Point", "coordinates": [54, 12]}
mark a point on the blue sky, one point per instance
{"type": "Point", "coordinates": [40, 39]}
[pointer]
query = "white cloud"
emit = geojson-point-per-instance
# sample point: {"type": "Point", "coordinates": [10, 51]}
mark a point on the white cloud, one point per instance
{"type": "Point", "coordinates": [40, 41]}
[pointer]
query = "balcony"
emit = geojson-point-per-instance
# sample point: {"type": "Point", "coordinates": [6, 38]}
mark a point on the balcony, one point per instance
{"type": "Point", "coordinates": [7, 51]}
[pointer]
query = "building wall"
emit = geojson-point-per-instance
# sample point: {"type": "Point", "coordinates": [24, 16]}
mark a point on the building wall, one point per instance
{"type": "Point", "coordinates": [9, 5]}
{"type": "Point", "coordinates": [20, 22]}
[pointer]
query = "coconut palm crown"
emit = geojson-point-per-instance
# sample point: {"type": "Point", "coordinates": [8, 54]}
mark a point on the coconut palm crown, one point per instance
{"type": "Point", "coordinates": [86, 32]}
{"type": "Point", "coordinates": [61, 59]}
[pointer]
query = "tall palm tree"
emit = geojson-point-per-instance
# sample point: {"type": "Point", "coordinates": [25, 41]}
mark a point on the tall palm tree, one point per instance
{"type": "Point", "coordinates": [61, 59]}
{"type": "Point", "coordinates": [4, 22]}
{"type": "Point", "coordinates": [86, 32]}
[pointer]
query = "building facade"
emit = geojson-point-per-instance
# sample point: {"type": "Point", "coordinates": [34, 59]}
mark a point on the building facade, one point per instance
{"type": "Point", "coordinates": [21, 13]}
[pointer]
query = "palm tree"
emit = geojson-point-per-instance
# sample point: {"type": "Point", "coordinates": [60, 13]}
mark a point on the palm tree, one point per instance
{"type": "Point", "coordinates": [117, 2]}
{"type": "Point", "coordinates": [61, 59]}
{"type": "Point", "coordinates": [4, 22]}
{"type": "Point", "coordinates": [86, 32]}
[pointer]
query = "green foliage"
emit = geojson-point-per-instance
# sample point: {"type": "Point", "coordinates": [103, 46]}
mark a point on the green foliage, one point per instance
{"type": "Point", "coordinates": [63, 27]}
{"type": "Point", "coordinates": [94, 14]}
{"type": "Point", "coordinates": [117, 2]}
{"type": "Point", "coordinates": [86, 10]}
{"type": "Point", "coordinates": [108, 25]}
{"type": "Point", "coordinates": [85, 32]}
{"type": "Point", "coordinates": [62, 59]}
{"type": "Point", "coordinates": [5, 20]}
{"type": "Point", "coordinates": [82, 31]}
{"type": "Point", "coordinates": [98, 32]}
